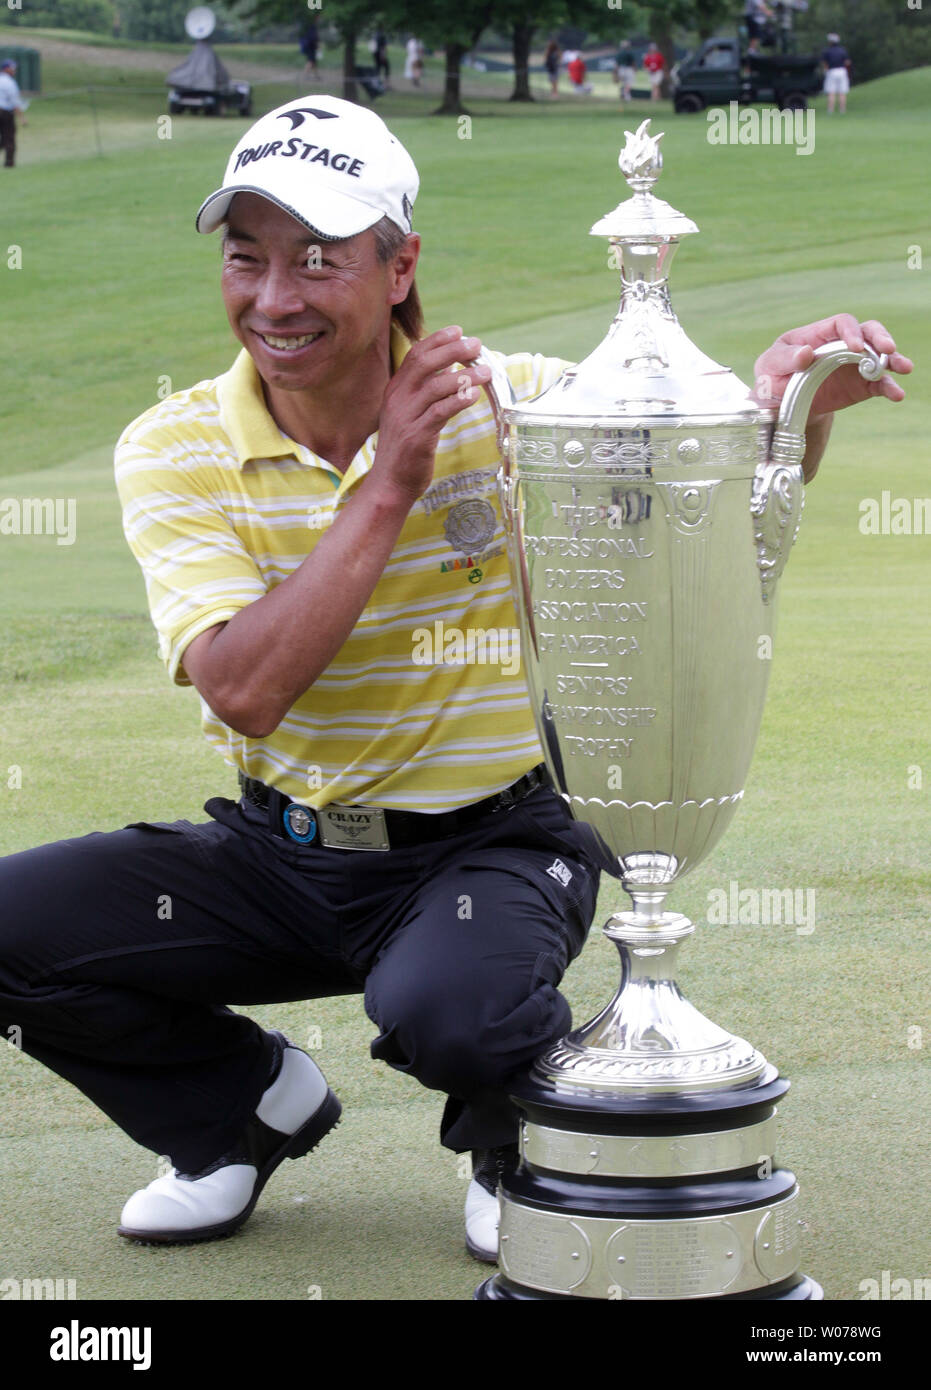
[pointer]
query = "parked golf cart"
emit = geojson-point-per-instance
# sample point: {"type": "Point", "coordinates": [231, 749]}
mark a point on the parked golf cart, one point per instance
{"type": "Point", "coordinates": [717, 73]}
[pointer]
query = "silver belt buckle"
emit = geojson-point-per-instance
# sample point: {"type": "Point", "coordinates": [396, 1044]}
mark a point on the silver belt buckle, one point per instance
{"type": "Point", "coordinates": [353, 827]}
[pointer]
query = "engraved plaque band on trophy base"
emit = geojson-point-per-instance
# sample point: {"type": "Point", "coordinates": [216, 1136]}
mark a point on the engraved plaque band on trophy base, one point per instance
{"type": "Point", "coordinates": [649, 503]}
{"type": "Point", "coordinates": [676, 1202]}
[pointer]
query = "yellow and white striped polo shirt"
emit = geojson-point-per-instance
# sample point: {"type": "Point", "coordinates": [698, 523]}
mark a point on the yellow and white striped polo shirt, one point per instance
{"type": "Point", "coordinates": [424, 707]}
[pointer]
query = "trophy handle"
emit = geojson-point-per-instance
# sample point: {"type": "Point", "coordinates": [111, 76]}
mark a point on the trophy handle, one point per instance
{"type": "Point", "coordinates": [778, 489]}
{"type": "Point", "coordinates": [789, 435]}
{"type": "Point", "coordinates": [501, 394]}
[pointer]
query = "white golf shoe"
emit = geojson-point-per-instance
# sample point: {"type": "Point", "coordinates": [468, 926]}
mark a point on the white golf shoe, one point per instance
{"type": "Point", "coordinates": [482, 1209]}
{"type": "Point", "coordinates": [294, 1114]}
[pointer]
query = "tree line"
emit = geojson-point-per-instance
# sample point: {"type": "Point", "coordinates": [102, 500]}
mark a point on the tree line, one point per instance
{"type": "Point", "coordinates": [881, 36]}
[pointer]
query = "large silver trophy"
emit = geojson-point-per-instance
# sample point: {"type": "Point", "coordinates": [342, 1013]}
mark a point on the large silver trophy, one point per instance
{"type": "Point", "coordinates": [650, 505]}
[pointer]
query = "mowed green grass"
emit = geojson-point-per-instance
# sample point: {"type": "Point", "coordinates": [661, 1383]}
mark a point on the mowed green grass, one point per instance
{"type": "Point", "coordinates": [116, 293]}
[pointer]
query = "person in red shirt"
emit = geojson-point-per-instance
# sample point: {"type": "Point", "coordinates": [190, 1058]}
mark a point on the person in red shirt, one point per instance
{"type": "Point", "coordinates": [655, 64]}
{"type": "Point", "coordinates": [576, 69]}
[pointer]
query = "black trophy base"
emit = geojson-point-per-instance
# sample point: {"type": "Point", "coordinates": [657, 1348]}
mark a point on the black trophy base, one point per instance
{"type": "Point", "coordinates": [662, 1197]}
{"type": "Point", "coordinates": [499, 1289]}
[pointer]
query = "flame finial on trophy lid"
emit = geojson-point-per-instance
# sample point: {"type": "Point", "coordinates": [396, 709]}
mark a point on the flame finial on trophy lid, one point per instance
{"type": "Point", "coordinates": [641, 159]}
{"type": "Point", "coordinates": [644, 214]}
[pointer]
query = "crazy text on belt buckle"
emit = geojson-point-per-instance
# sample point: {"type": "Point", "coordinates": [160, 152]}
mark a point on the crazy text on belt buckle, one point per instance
{"type": "Point", "coordinates": [353, 827]}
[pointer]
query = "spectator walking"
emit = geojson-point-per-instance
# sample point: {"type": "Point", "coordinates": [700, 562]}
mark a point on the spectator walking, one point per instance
{"type": "Point", "coordinates": [625, 69]}
{"type": "Point", "coordinates": [836, 64]}
{"type": "Point", "coordinates": [380, 53]}
{"type": "Point", "coordinates": [11, 103]}
{"type": "Point", "coordinates": [575, 66]}
{"type": "Point", "coordinates": [310, 42]}
{"type": "Point", "coordinates": [413, 66]}
{"type": "Point", "coordinates": [551, 58]}
{"type": "Point", "coordinates": [655, 64]}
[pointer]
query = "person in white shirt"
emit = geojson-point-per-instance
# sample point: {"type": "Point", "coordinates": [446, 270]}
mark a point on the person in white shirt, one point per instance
{"type": "Point", "coordinates": [11, 102]}
{"type": "Point", "coordinates": [413, 67]}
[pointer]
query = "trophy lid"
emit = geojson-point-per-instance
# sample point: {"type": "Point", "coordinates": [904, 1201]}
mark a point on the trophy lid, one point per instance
{"type": "Point", "coordinates": [647, 367]}
{"type": "Point", "coordinates": [643, 215]}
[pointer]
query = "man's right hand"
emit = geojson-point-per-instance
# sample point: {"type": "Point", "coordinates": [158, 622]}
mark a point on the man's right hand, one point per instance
{"type": "Point", "coordinates": [432, 384]}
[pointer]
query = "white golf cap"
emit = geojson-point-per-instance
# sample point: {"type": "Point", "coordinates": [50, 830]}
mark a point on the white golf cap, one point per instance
{"type": "Point", "coordinates": [333, 165]}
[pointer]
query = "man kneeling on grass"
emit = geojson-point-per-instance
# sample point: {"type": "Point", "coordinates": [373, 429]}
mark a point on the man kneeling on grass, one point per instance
{"type": "Point", "coordinates": [297, 521]}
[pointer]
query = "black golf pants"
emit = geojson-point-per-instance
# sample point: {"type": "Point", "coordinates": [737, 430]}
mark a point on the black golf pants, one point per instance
{"type": "Point", "coordinates": [120, 953]}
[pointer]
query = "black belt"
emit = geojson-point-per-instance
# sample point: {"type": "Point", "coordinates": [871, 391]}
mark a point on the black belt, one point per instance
{"type": "Point", "coordinates": [296, 821]}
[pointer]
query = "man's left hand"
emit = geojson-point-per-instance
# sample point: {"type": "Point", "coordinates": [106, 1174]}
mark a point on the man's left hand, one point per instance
{"type": "Point", "coordinates": [795, 350]}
